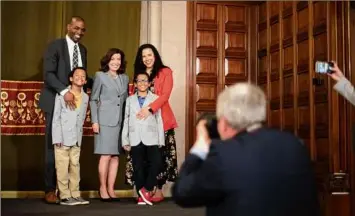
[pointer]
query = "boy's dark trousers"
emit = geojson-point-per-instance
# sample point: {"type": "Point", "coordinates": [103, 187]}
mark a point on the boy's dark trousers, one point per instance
{"type": "Point", "coordinates": [146, 157]}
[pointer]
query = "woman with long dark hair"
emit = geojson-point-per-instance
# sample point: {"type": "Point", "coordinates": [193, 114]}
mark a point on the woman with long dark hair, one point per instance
{"type": "Point", "coordinates": [108, 95]}
{"type": "Point", "coordinates": [161, 78]}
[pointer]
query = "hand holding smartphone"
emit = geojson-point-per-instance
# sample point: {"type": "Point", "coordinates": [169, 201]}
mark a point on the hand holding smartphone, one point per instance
{"type": "Point", "coordinates": [322, 67]}
{"type": "Point", "coordinates": [329, 68]}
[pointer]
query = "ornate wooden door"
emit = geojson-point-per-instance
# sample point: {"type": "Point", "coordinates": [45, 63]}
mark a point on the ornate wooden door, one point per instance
{"type": "Point", "coordinates": [218, 54]}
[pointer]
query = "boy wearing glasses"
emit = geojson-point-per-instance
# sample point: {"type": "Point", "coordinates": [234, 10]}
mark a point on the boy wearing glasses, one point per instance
{"type": "Point", "coordinates": [143, 138]}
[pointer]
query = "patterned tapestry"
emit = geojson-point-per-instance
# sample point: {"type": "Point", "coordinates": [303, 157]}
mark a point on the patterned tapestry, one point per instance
{"type": "Point", "coordinates": [20, 113]}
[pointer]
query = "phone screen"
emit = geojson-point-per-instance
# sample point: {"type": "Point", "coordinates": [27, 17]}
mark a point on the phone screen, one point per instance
{"type": "Point", "coordinates": [322, 67]}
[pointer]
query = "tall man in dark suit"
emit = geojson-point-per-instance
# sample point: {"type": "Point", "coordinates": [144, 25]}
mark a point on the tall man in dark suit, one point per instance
{"type": "Point", "coordinates": [252, 170]}
{"type": "Point", "coordinates": [61, 56]}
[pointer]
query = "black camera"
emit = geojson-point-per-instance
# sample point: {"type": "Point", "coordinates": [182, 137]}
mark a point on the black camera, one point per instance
{"type": "Point", "coordinates": [211, 124]}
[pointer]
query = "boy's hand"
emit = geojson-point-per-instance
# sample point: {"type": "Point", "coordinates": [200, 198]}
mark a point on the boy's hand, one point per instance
{"type": "Point", "coordinates": [143, 113]}
{"type": "Point", "coordinates": [59, 144]}
{"type": "Point", "coordinates": [127, 148]}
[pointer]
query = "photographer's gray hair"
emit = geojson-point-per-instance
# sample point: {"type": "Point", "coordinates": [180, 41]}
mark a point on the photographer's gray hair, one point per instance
{"type": "Point", "coordinates": [242, 104]}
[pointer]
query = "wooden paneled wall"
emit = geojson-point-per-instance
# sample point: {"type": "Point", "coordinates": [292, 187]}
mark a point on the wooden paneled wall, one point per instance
{"type": "Point", "coordinates": [292, 36]}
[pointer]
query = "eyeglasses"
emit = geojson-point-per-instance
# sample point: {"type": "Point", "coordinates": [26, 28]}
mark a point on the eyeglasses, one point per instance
{"type": "Point", "coordinates": [142, 81]}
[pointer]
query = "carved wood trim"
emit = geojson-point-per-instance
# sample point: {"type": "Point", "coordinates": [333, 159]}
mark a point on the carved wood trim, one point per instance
{"type": "Point", "coordinates": [262, 26]}
{"type": "Point", "coordinates": [206, 52]}
{"type": "Point", "coordinates": [302, 68]}
{"type": "Point", "coordinates": [274, 47]}
{"type": "Point", "coordinates": [303, 98]}
{"type": "Point", "coordinates": [287, 12]}
{"type": "Point", "coordinates": [288, 72]}
{"type": "Point", "coordinates": [190, 56]}
{"type": "Point", "coordinates": [207, 26]}
{"type": "Point", "coordinates": [274, 20]}
{"type": "Point", "coordinates": [274, 75]}
{"type": "Point", "coordinates": [302, 36]}
{"type": "Point", "coordinates": [319, 29]}
{"type": "Point", "coordinates": [212, 79]}
{"type": "Point", "coordinates": [287, 42]}
{"type": "Point", "coordinates": [302, 5]}
{"type": "Point", "coordinates": [234, 54]}
{"type": "Point", "coordinates": [287, 101]}
{"type": "Point", "coordinates": [236, 28]}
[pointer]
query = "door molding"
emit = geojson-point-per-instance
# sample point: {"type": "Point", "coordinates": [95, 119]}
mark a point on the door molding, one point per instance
{"type": "Point", "coordinates": [190, 78]}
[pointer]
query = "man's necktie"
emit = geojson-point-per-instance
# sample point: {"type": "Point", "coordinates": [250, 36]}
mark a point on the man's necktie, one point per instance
{"type": "Point", "coordinates": [75, 56]}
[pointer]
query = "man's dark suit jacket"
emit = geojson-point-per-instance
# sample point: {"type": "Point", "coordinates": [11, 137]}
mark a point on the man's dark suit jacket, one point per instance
{"type": "Point", "coordinates": [262, 173]}
{"type": "Point", "coordinates": [56, 65]}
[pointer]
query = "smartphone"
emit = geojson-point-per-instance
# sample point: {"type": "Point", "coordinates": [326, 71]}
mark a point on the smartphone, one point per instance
{"type": "Point", "coordinates": [323, 67]}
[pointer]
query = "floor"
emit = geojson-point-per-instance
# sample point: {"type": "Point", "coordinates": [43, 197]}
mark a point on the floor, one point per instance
{"type": "Point", "coordinates": [36, 207]}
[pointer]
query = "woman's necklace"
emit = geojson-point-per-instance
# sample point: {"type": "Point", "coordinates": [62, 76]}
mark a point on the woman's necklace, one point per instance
{"type": "Point", "coordinates": [114, 76]}
{"type": "Point", "coordinates": [149, 72]}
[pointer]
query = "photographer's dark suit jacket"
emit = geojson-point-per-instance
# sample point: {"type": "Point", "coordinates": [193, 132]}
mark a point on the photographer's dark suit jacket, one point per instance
{"type": "Point", "coordinates": [262, 173]}
{"type": "Point", "coordinates": [56, 65]}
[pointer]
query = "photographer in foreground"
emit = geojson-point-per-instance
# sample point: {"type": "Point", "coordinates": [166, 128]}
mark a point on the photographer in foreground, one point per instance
{"type": "Point", "coordinates": [252, 170]}
{"type": "Point", "coordinates": [343, 85]}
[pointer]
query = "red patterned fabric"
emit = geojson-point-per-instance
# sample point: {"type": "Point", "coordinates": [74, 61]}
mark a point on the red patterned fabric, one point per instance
{"type": "Point", "coordinates": [130, 89]}
{"type": "Point", "coordinates": [20, 113]}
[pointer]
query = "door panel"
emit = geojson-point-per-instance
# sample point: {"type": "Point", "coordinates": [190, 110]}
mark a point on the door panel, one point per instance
{"type": "Point", "coordinates": [219, 49]}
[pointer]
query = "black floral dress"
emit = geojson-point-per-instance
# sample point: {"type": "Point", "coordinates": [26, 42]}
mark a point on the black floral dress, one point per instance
{"type": "Point", "coordinates": [169, 157]}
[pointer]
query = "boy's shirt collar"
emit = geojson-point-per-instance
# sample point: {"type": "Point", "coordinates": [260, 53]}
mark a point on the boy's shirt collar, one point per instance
{"type": "Point", "coordinates": [148, 93]}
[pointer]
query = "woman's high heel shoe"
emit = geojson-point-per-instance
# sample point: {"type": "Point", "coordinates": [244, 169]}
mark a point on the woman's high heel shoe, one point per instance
{"type": "Point", "coordinates": [114, 199]}
{"type": "Point", "coordinates": [104, 199]}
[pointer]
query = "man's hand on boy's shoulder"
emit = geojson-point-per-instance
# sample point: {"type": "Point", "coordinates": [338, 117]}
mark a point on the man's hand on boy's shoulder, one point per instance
{"type": "Point", "coordinates": [69, 100]}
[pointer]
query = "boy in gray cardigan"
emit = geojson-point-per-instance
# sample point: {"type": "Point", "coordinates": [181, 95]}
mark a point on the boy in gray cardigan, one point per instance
{"type": "Point", "coordinates": [143, 138]}
{"type": "Point", "coordinates": [67, 132]}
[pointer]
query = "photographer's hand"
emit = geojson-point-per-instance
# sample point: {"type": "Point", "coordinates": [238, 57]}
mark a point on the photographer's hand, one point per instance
{"type": "Point", "coordinates": [337, 73]}
{"type": "Point", "coordinates": [203, 141]}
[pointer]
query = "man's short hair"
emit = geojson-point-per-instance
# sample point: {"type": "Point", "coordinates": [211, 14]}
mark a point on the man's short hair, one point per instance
{"type": "Point", "coordinates": [78, 18]}
{"type": "Point", "coordinates": [242, 105]}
